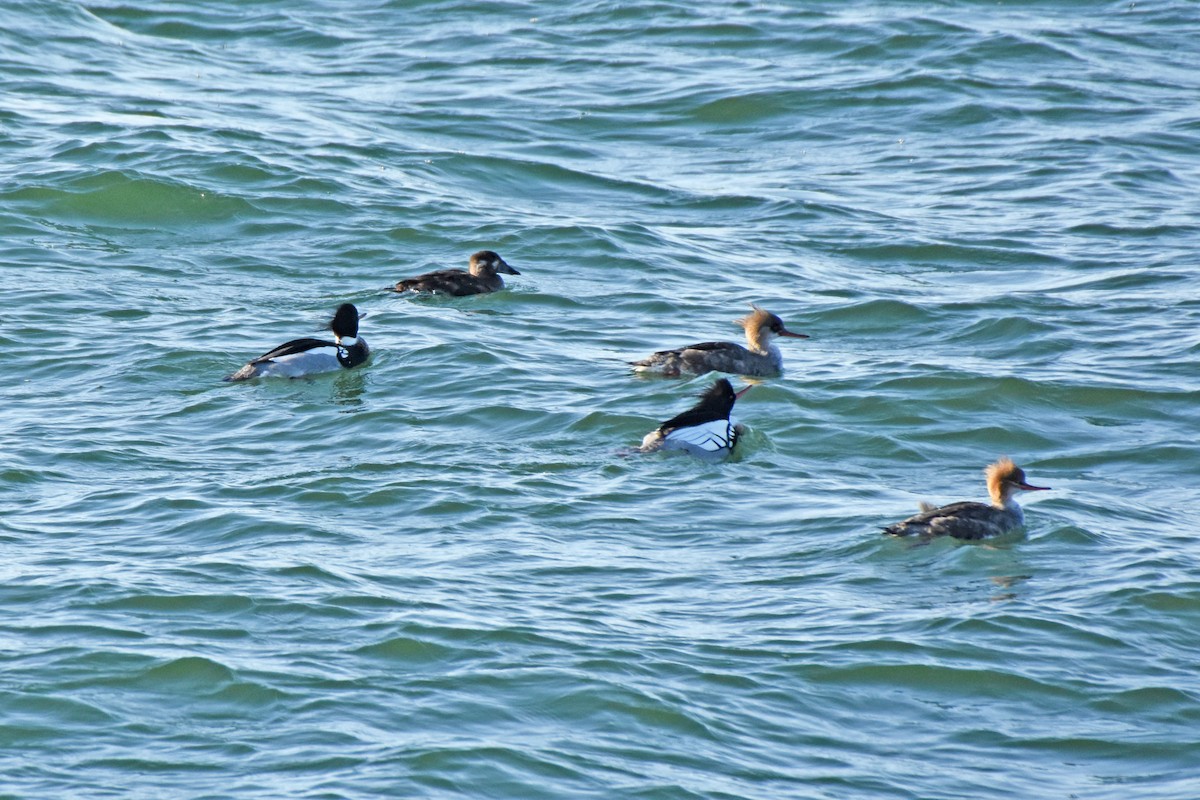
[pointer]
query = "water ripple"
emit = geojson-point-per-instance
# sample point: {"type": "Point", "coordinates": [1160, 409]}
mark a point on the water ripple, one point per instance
{"type": "Point", "coordinates": [442, 575]}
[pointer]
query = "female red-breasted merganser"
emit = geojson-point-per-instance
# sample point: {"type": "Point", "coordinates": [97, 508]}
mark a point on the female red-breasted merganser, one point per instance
{"type": "Point", "coordinates": [481, 278]}
{"type": "Point", "coordinates": [762, 358]}
{"type": "Point", "coordinates": [301, 357]}
{"type": "Point", "coordinates": [970, 520]}
{"type": "Point", "coordinates": [707, 429]}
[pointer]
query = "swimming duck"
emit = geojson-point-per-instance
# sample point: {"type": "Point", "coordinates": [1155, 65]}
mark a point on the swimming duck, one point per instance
{"type": "Point", "coordinates": [707, 429]}
{"type": "Point", "coordinates": [481, 278]}
{"type": "Point", "coordinates": [970, 520]}
{"type": "Point", "coordinates": [761, 358]}
{"type": "Point", "coordinates": [301, 357]}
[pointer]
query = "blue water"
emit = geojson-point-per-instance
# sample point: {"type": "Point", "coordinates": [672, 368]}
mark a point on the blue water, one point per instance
{"type": "Point", "coordinates": [441, 575]}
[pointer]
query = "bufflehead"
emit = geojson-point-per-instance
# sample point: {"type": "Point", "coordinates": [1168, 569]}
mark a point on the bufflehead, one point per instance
{"type": "Point", "coordinates": [301, 357]}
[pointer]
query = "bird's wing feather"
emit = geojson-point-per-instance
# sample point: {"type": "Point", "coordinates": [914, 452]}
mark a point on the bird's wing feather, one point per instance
{"type": "Point", "coordinates": [292, 348]}
{"type": "Point", "coordinates": [713, 347]}
{"type": "Point", "coordinates": [968, 517]}
{"type": "Point", "coordinates": [454, 282]}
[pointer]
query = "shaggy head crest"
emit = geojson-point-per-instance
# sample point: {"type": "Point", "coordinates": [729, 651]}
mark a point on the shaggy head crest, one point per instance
{"type": "Point", "coordinates": [759, 318]}
{"type": "Point", "coordinates": [1003, 478]}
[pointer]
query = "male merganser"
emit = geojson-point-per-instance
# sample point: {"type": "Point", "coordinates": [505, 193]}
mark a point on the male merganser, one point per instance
{"type": "Point", "coordinates": [707, 429]}
{"type": "Point", "coordinates": [481, 279]}
{"type": "Point", "coordinates": [761, 359]}
{"type": "Point", "coordinates": [969, 520]}
{"type": "Point", "coordinates": [301, 357]}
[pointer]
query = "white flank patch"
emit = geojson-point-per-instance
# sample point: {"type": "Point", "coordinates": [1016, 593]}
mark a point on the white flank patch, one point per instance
{"type": "Point", "coordinates": [707, 439]}
{"type": "Point", "coordinates": [298, 364]}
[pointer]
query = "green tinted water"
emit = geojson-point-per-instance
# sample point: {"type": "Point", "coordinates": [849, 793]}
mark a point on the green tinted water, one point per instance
{"type": "Point", "coordinates": [438, 576]}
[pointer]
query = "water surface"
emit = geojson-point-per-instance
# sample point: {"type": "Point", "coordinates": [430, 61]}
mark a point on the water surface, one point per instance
{"type": "Point", "coordinates": [438, 576]}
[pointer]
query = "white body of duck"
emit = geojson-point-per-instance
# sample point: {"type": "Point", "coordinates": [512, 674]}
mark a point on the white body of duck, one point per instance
{"type": "Point", "coordinates": [301, 357]}
{"type": "Point", "coordinates": [707, 430]}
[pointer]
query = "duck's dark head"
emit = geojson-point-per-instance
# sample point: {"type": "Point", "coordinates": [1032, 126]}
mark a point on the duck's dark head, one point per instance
{"type": "Point", "coordinates": [488, 261]}
{"type": "Point", "coordinates": [345, 322]}
{"type": "Point", "coordinates": [720, 397]}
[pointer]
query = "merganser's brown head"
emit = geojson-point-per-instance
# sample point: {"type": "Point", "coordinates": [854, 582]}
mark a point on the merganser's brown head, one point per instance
{"type": "Point", "coordinates": [1004, 478]}
{"type": "Point", "coordinates": [487, 262]}
{"type": "Point", "coordinates": [761, 325]}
